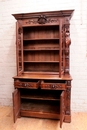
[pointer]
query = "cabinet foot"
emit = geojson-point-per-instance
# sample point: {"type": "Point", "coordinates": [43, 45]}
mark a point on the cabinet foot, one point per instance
{"type": "Point", "coordinates": [67, 118]}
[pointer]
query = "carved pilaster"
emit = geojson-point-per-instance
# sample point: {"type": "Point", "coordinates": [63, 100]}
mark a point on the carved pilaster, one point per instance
{"type": "Point", "coordinates": [68, 98]}
{"type": "Point", "coordinates": [19, 48]}
{"type": "Point", "coordinates": [67, 44]}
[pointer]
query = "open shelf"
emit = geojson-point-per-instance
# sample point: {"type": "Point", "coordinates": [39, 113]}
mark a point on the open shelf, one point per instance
{"type": "Point", "coordinates": [42, 32]}
{"type": "Point", "coordinates": [41, 61]}
{"type": "Point", "coordinates": [40, 106]}
{"type": "Point", "coordinates": [40, 39]}
{"type": "Point", "coordinates": [40, 95]}
{"type": "Point", "coordinates": [41, 66]}
{"type": "Point", "coordinates": [41, 49]}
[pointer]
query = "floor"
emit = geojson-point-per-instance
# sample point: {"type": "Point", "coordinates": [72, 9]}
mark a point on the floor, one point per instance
{"type": "Point", "coordinates": [79, 122]}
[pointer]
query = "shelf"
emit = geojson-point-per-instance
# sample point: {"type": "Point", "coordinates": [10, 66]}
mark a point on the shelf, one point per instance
{"type": "Point", "coordinates": [41, 61]}
{"type": "Point", "coordinates": [40, 39]}
{"type": "Point", "coordinates": [40, 106]}
{"type": "Point", "coordinates": [41, 25]}
{"type": "Point", "coordinates": [40, 95]}
{"type": "Point", "coordinates": [41, 49]}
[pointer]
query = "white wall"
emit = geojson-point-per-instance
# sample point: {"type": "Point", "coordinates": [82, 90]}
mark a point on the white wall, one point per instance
{"type": "Point", "coordinates": [78, 62]}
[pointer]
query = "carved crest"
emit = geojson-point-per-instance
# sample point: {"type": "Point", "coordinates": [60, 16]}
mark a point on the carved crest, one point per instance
{"type": "Point", "coordinates": [42, 19]}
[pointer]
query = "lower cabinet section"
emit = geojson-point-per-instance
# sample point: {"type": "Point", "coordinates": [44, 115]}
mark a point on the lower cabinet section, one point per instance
{"type": "Point", "coordinates": [42, 99]}
{"type": "Point", "coordinates": [39, 103]}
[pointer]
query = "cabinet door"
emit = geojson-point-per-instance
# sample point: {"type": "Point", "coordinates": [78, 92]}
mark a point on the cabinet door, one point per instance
{"type": "Point", "coordinates": [16, 104]}
{"type": "Point", "coordinates": [62, 108]}
{"type": "Point", "coordinates": [19, 47]}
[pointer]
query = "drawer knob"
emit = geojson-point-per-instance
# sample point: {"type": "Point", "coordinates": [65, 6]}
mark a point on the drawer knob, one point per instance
{"type": "Point", "coordinates": [25, 84]}
{"type": "Point", "coordinates": [53, 86]}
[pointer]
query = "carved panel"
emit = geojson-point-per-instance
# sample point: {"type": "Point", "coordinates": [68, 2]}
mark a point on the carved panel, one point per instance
{"type": "Point", "coordinates": [68, 83]}
{"type": "Point", "coordinates": [67, 44]}
{"type": "Point", "coordinates": [68, 97]}
{"type": "Point", "coordinates": [20, 30]}
{"type": "Point", "coordinates": [53, 86]}
{"type": "Point", "coordinates": [19, 48]}
{"type": "Point", "coordinates": [42, 20]}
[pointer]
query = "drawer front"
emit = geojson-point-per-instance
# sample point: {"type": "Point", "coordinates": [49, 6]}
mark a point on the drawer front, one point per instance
{"type": "Point", "coordinates": [32, 85]}
{"type": "Point", "coordinates": [53, 86]}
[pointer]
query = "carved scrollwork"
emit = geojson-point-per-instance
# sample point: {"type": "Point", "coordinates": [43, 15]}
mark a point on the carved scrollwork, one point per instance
{"type": "Point", "coordinates": [52, 20]}
{"type": "Point", "coordinates": [42, 19]}
{"type": "Point", "coordinates": [31, 21]}
{"type": "Point", "coordinates": [68, 96]}
{"type": "Point", "coordinates": [67, 52]}
{"type": "Point", "coordinates": [20, 30]}
{"type": "Point", "coordinates": [19, 41]}
{"type": "Point", "coordinates": [68, 83]}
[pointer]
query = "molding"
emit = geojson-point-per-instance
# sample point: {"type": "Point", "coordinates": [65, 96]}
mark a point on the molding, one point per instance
{"type": "Point", "coordinates": [60, 13]}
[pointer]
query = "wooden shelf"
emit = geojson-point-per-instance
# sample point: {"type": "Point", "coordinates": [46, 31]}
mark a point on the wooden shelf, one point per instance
{"type": "Point", "coordinates": [40, 25]}
{"type": "Point", "coordinates": [39, 94]}
{"type": "Point", "coordinates": [41, 61]}
{"type": "Point", "coordinates": [40, 97]}
{"type": "Point", "coordinates": [40, 39]}
{"type": "Point", "coordinates": [40, 49]}
{"type": "Point", "coordinates": [50, 107]}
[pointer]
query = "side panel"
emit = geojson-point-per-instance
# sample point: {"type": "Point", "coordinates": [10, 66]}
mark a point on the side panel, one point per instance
{"type": "Point", "coordinates": [60, 47]}
{"type": "Point", "coordinates": [16, 104]}
{"type": "Point", "coordinates": [19, 47]}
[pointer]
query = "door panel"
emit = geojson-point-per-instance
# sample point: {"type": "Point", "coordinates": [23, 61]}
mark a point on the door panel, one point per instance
{"type": "Point", "coordinates": [16, 104]}
{"type": "Point", "coordinates": [62, 108]}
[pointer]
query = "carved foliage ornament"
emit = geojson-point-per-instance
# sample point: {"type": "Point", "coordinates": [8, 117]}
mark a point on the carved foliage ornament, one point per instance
{"type": "Point", "coordinates": [42, 19]}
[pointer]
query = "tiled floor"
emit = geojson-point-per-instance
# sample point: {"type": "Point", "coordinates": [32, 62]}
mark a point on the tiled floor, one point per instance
{"type": "Point", "coordinates": [79, 122]}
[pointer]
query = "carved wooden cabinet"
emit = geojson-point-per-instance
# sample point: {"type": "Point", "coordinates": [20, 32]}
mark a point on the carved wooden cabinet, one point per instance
{"type": "Point", "coordinates": [43, 83]}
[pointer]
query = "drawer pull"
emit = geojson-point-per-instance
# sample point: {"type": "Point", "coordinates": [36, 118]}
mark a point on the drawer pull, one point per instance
{"type": "Point", "coordinates": [53, 86]}
{"type": "Point", "coordinates": [25, 85]}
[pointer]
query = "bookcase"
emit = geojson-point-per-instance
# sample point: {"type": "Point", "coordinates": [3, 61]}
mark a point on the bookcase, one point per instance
{"type": "Point", "coordinates": [43, 82]}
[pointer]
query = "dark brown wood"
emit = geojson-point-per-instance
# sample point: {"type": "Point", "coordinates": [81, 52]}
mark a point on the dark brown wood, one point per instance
{"type": "Point", "coordinates": [62, 108]}
{"type": "Point", "coordinates": [16, 104]}
{"type": "Point", "coordinates": [43, 81]}
{"type": "Point", "coordinates": [40, 114]}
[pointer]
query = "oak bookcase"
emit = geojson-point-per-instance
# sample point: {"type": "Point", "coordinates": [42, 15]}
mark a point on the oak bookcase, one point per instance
{"type": "Point", "coordinates": [43, 82]}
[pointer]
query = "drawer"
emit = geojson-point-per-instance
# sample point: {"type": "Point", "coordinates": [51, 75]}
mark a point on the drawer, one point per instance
{"type": "Point", "coordinates": [53, 85]}
{"type": "Point", "coordinates": [28, 84]}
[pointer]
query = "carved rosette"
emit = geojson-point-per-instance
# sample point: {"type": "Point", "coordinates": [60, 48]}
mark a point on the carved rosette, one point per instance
{"type": "Point", "coordinates": [68, 97]}
{"type": "Point", "coordinates": [67, 44]}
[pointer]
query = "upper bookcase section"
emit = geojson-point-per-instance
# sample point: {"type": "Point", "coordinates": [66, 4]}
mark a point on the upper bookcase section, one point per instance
{"type": "Point", "coordinates": [43, 18]}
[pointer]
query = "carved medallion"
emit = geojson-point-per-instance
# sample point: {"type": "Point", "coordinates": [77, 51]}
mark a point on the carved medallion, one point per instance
{"type": "Point", "coordinates": [42, 19]}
